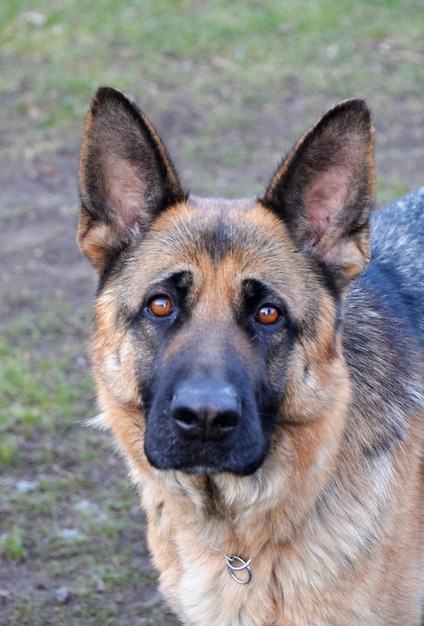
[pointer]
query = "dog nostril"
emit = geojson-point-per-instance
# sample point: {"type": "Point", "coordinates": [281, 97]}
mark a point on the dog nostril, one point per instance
{"type": "Point", "coordinates": [226, 421]}
{"type": "Point", "coordinates": [186, 419]}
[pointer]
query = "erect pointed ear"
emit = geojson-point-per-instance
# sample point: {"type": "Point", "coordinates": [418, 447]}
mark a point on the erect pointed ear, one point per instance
{"type": "Point", "coordinates": [324, 191]}
{"type": "Point", "coordinates": [126, 177]}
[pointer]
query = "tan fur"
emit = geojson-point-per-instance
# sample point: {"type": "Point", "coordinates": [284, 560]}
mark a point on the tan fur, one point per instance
{"type": "Point", "coordinates": [334, 533]}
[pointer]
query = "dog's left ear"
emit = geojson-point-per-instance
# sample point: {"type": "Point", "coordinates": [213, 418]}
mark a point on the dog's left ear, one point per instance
{"type": "Point", "coordinates": [324, 191]}
{"type": "Point", "coordinates": [126, 177]}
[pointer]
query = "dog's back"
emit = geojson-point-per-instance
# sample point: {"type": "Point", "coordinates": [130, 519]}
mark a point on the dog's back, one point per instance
{"type": "Point", "coordinates": [383, 343]}
{"type": "Point", "coordinates": [397, 249]}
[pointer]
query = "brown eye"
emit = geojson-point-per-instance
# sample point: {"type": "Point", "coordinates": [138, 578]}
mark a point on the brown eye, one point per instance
{"type": "Point", "coordinates": [267, 314]}
{"type": "Point", "coordinates": [160, 306]}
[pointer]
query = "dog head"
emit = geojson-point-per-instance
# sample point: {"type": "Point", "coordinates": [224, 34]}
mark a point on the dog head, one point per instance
{"type": "Point", "coordinates": [218, 322]}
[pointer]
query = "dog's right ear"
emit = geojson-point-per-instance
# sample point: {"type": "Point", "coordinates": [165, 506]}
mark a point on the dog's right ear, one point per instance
{"type": "Point", "coordinates": [126, 177]}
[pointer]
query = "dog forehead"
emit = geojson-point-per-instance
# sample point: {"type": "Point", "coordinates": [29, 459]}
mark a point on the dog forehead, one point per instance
{"type": "Point", "coordinates": [204, 230]}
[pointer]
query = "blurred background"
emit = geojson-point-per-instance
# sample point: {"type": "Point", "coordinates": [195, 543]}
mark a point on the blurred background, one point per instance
{"type": "Point", "coordinates": [230, 87]}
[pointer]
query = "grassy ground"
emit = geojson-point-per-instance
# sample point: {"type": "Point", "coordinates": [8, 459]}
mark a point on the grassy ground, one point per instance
{"type": "Point", "coordinates": [230, 86]}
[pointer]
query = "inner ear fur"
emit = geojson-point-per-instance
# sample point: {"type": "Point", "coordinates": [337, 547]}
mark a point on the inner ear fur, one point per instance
{"type": "Point", "coordinates": [126, 177]}
{"type": "Point", "coordinates": [324, 190]}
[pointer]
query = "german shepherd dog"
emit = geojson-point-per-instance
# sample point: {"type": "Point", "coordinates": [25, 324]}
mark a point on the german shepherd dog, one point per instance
{"type": "Point", "coordinates": [261, 366]}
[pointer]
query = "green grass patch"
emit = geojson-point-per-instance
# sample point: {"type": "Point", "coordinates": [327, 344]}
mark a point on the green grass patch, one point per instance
{"type": "Point", "coordinates": [75, 46]}
{"type": "Point", "coordinates": [37, 398]}
{"type": "Point", "coordinates": [12, 544]}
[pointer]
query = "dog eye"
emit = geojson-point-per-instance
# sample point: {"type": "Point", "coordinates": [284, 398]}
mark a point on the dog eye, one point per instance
{"type": "Point", "coordinates": [268, 314]}
{"type": "Point", "coordinates": [160, 306]}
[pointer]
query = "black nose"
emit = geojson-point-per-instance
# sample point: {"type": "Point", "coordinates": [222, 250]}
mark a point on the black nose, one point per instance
{"type": "Point", "coordinates": [206, 410]}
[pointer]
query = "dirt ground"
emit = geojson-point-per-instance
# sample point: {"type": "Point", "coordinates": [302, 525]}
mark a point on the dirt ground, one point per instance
{"type": "Point", "coordinates": [40, 261]}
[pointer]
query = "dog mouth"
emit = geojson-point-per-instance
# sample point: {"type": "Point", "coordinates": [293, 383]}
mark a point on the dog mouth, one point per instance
{"type": "Point", "coordinates": [219, 464]}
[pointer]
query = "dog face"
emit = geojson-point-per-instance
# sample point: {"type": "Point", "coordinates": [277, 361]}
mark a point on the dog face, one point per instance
{"type": "Point", "coordinates": [217, 323]}
{"type": "Point", "coordinates": [212, 339]}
